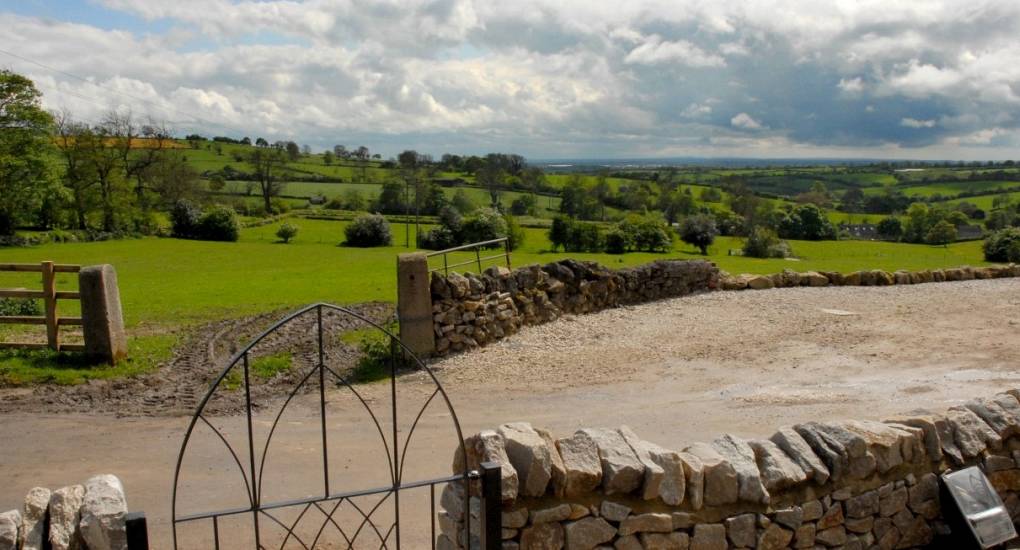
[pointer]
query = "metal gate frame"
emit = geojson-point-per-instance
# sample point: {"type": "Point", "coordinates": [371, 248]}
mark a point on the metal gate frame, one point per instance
{"type": "Point", "coordinates": [488, 475]}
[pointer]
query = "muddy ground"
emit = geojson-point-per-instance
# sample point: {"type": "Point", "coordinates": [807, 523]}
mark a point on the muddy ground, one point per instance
{"type": "Point", "coordinates": [676, 371]}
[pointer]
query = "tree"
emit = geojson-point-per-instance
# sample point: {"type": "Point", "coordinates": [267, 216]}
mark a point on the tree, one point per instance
{"type": "Point", "coordinates": [700, 231]}
{"type": "Point", "coordinates": [267, 168]}
{"type": "Point", "coordinates": [492, 177]}
{"type": "Point", "coordinates": [890, 228]}
{"type": "Point", "coordinates": [293, 151]}
{"type": "Point", "coordinates": [391, 199]}
{"type": "Point", "coordinates": [340, 151]}
{"type": "Point", "coordinates": [327, 158]}
{"type": "Point", "coordinates": [559, 232]}
{"type": "Point", "coordinates": [24, 144]}
{"type": "Point", "coordinates": [286, 232]}
{"type": "Point", "coordinates": [806, 222]}
{"type": "Point", "coordinates": [942, 233]}
{"type": "Point", "coordinates": [306, 150]}
{"type": "Point", "coordinates": [261, 142]}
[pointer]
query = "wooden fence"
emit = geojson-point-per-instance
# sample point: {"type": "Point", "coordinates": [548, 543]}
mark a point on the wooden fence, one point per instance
{"type": "Point", "coordinates": [49, 295]}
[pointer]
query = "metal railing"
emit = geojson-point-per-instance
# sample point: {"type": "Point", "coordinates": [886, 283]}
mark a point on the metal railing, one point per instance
{"type": "Point", "coordinates": [478, 259]}
{"type": "Point", "coordinates": [49, 295]}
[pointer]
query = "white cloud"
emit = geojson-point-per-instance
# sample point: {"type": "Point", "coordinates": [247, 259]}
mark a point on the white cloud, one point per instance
{"type": "Point", "coordinates": [655, 50]}
{"type": "Point", "coordinates": [851, 86]}
{"type": "Point", "coordinates": [745, 121]}
{"type": "Point", "coordinates": [915, 123]}
{"type": "Point", "coordinates": [697, 110]}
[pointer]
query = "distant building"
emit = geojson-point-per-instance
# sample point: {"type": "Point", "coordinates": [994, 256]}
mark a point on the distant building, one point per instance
{"type": "Point", "coordinates": [969, 232]}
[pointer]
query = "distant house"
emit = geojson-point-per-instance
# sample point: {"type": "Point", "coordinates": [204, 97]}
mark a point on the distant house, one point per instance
{"type": "Point", "coordinates": [860, 231]}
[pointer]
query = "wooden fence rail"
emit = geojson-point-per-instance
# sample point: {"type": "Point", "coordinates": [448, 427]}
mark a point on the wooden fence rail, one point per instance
{"type": "Point", "coordinates": [49, 295]}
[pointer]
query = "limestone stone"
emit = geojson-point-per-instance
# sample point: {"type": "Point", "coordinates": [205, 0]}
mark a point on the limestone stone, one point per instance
{"type": "Point", "coordinates": [894, 503]}
{"type": "Point", "coordinates": [694, 479]}
{"type": "Point", "coordinates": [709, 536]}
{"type": "Point", "coordinates": [834, 536]}
{"type": "Point", "coordinates": [510, 545]}
{"type": "Point", "coordinates": [970, 433]}
{"type": "Point", "coordinates": [558, 512]}
{"type": "Point", "coordinates": [760, 282]}
{"type": "Point", "coordinates": [578, 511]}
{"type": "Point", "coordinates": [102, 514]}
{"type": "Point", "coordinates": [721, 485]}
{"type": "Point", "coordinates": [774, 537]}
{"type": "Point", "coordinates": [587, 533]}
{"type": "Point", "coordinates": [815, 279]}
{"type": "Point", "coordinates": [622, 472]}
{"type": "Point", "coordinates": [515, 518]}
{"type": "Point", "coordinates": [614, 511]}
{"type": "Point", "coordinates": [33, 518]}
{"type": "Point", "coordinates": [65, 513]}
{"type": "Point", "coordinates": [488, 446]}
{"type": "Point", "coordinates": [102, 319]}
{"type": "Point", "coordinates": [860, 525]}
{"type": "Point", "coordinates": [890, 445]}
{"type": "Point", "coordinates": [581, 466]}
{"type": "Point", "coordinates": [995, 416]}
{"type": "Point", "coordinates": [529, 455]}
{"type": "Point", "coordinates": [863, 505]}
{"type": "Point", "coordinates": [790, 517]}
{"type": "Point", "coordinates": [664, 469]}
{"type": "Point", "coordinates": [861, 462]}
{"type": "Point", "coordinates": [741, 456]}
{"type": "Point", "coordinates": [507, 534]}
{"type": "Point", "coordinates": [557, 470]}
{"type": "Point", "coordinates": [926, 423]}
{"type": "Point", "coordinates": [805, 536]}
{"type": "Point", "coordinates": [646, 523]}
{"type": "Point", "coordinates": [682, 520]}
{"type": "Point", "coordinates": [916, 534]}
{"type": "Point", "coordinates": [832, 517]}
{"type": "Point", "coordinates": [812, 510]}
{"type": "Point", "coordinates": [741, 530]}
{"type": "Point", "coordinates": [10, 530]}
{"type": "Point", "coordinates": [544, 536]}
{"type": "Point", "coordinates": [778, 471]}
{"type": "Point", "coordinates": [665, 541]}
{"type": "Point", "coordinates": [630, 542]}
{"type": "Point", "coordinates": [794, 445]}
{"type": "Point", "coordinates": [830, 451]}
{"type": "Point", "coordinates": [1010, 405]}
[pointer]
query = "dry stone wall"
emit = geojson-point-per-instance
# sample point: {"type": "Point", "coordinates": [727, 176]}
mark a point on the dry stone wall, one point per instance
{"type": "Point", "coordinates": [472, 310]}
{"type": "Point", "coordinates": [850, 484]}
{"type": "Point", "coordinates": [91, 516]}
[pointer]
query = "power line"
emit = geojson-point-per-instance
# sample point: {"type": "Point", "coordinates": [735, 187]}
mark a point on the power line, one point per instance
{"type": "Point", "coordinates": [119, 92]}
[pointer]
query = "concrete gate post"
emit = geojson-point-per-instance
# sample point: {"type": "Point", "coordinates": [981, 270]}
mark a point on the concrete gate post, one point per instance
{"type": "Point", "coordinates": [101, 316]}
{"type": "Point", "coordinates": [414, 303]}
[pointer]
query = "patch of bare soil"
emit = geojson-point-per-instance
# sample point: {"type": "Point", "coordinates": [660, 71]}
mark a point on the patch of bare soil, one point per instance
{"type": "Point", "coordinates": [177, 387]}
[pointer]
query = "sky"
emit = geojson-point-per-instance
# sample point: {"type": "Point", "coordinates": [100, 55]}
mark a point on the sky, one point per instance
{"type": "Point", "coordinates": [926, 79]}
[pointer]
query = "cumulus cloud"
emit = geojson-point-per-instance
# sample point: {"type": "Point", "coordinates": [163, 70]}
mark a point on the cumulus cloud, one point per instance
{"type": "Point", "coordinates": [545, 78]}
{"type": "Point", "coordinates": [745, 121]}
{"type": "Point", "coordinates": [914, 123]}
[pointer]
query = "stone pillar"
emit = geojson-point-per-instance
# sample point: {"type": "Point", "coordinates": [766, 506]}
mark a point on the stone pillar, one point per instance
{"type": "Point", "coordinates": [414, 303]}
{"type": "Point", "coordinates": [102, 320]}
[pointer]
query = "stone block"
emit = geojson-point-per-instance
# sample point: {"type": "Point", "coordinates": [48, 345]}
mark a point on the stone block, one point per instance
{"type": "Point", "coordinates": [622, 472]}
{"type": "Point", "coordinates": [102, 514]}
{"type": "Point", "coordinates": [65, 515]}
{"type": "Point", "coordinates": [103, 320]}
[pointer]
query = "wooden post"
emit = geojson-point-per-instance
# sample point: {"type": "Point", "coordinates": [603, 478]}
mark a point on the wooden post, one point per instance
{"type": "Point", "coordinates": [49, 284]}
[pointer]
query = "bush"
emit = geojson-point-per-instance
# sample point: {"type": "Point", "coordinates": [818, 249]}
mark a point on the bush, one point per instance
{"type": "Point", "coordinates": [585, 237]}
{"type": "Point", "coordinates": [1003, 246]}
{"type": "Point", "coordinates": [219, 224]}
{"type": "Point", "coordinates": [649, 234]}
{"type": "Point", "coordinates": [514, 233]}
{"type": "Point", "coordinates": [368, 230]}
{"type": "Point", "coordinates": [890, 229]}
{"type": "Point", "coordinates": [287, 231]}
{"type": "Point", "coordinates": [20, 306]}
{"type": "Point", "coordinates": [762, 242]}
{"type": "Point", "coordinates": [184, 219]}
{"type": "Point", "coordinates": [485, 225]}
{"type": "Point", "coordinates": [525, 205]}
{"type": "Point", "coordinates": [618, 241]}
{"type": "Point", "coordinates": [438, 239]}
{"type": "Point", "coordinates": [335, 203]}
{"type": "Point", "coordinates": [942, 233]}
{"type": "Point", "coordinates": [278, 206]}
{"type": "Point", "coordinates": [699, 230]}
{"type": "Point", "coordinates": [559, 232]}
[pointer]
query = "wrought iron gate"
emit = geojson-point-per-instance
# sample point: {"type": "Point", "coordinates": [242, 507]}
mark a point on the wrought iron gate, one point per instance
{"type": "Point", "coordinates": [361, 517]}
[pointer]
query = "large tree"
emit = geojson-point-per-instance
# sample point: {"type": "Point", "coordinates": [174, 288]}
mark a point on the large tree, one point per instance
{"type": "Point", "coordinates": [24, 142]}
{"type": "Point", "coordinates": [268, 165]}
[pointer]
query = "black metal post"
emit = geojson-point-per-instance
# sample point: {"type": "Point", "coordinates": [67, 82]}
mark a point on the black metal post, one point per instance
{"type": "Point", "coordinates": [492, 507]}
{"type": "Point", "coordinates": [137, 531]}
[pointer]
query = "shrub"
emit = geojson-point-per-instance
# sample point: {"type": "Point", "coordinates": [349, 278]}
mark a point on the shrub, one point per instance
{"type": "Point", "coordinates": [525, 205]}
{"type": "Point", "coordinates": [368, 230]}
{"type": "Point", "coordinates": [699, 230]}
{"type": "Point", "coordinates": [585, 237]}
{"type": "Point", "coordinates": [335, 203]}
{"type": "Point", "coordinates": [219, 224]}
{"type": "Point", "coordinates": [278, 206]}
{"type": "Point", "coordinates": [762, 242]}
{"type": "Point", "coordinates": [618, 241]}
{"type": "Point", "coordinates": [287, 231]}
{"type": "Point", "coordinates": [890, 229]}
{"type": "Point", "coordinates": [184, 219]}
{"type": "Point", "coordinates": [942, 233]}
{"type": "Point", "coordinates": [486, 224]}
{"type": "Point", "coordinates": [807, 222]}
{"type": "Point", "coordinates": [514, 233]}
{"type": "Point", "coordinates": [1003, 246]}
{"type": "Point", "coordinates": [20, 306]}
{"type": "Point", "coordinates": [438, 238]}
{"type": "Point", "coordinates": [559, 232]}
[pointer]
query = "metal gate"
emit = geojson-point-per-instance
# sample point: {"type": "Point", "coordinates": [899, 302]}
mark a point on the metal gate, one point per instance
{"type": "Point", "coordinates": [355, 516]}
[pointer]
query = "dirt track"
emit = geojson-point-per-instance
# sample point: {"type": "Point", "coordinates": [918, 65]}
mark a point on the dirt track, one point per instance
{"type": "Point", "coordinates": [676, 371]}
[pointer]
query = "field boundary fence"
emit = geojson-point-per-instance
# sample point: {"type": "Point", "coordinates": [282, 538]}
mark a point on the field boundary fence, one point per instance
{"type": "Point", "coordinates": [477, 260]}
{"type": "Point", "coordinates": [50, 296]}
